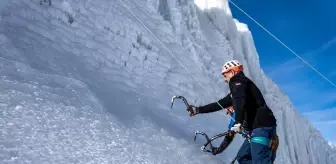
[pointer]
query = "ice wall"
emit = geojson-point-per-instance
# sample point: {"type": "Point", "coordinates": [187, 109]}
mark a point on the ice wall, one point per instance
{"type": "Point", "coordinates": [85, 82]}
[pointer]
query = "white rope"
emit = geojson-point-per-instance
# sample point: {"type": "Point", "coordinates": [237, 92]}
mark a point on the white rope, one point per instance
{"type": "Point", "coordinates": [171, 55]}
{"type": "Point", "coordinates": [167, 49]}
{"type": "Point", "coordinates": [194, 76]}
{"type": "Point", "coordinates": [298, 56]}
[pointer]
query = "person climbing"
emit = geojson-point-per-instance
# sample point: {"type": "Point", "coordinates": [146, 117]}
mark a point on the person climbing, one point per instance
{"type": "Point", "coordinates": [250, 106]}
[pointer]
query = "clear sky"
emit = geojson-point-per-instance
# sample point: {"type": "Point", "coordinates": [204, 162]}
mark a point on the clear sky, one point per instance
{"type": "Point", "coordinates": [309, 28]}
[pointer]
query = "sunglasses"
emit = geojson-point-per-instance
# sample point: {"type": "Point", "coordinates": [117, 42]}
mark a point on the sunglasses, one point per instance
{"type": "Point", "coordinates": [224, 74]}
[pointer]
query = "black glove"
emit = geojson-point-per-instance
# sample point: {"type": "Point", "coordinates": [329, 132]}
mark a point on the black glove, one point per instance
{"type": "Point", "coordinates": [192, 110]}
{"type": "Point", "coordinates": [214, 150]}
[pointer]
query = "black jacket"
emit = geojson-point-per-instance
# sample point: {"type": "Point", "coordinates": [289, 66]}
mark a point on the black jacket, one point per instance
{"type": "Point", "coordinates": [248, 103]}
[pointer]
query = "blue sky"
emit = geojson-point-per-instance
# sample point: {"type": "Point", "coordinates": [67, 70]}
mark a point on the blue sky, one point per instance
{"type": "Point", "coordinates": [309, 28]}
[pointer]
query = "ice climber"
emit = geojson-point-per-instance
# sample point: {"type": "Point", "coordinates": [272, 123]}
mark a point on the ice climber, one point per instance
{"type": "Point", "coordinates": [230, 136]}
{"type": "Point", "coordinates": [250, 106]}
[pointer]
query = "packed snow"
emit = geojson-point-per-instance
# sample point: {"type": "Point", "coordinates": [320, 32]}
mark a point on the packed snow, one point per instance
{"type": "Point", "coordinates": [85, 81]}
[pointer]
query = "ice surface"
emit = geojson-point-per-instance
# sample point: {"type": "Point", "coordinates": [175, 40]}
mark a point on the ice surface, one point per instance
{"type": "Point", "coordinates": [83, 81]}
{"type": "Point", "coordinates": [332, 145]}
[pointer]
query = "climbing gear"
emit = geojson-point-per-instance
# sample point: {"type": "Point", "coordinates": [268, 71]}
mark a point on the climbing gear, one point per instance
{"type": "Point", "coordinates": [179, 97]}
{"type": "Point", "coordinates": [261, 140]}
{"type": "Point", "coordinates": [192, 110]}
{"type": "Point", "coordinates": [243, 132]}
{"type": "Point", "coordinates": [232, 65]}
{"type": "Point", "coordinates": [209, 140]}
{"type": "Point", "coordinates": [274, 143]}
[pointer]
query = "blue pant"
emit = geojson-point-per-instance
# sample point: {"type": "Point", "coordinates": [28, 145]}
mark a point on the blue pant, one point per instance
{"type": "Point", "coordinates": [258, 150]}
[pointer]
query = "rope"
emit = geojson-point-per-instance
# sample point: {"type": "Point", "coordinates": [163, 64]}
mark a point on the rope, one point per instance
{"type": "Point", "coordinates": [165, 47]}
{"type": "Point", "coordinates": [298, 56]}
{"type": "Point", "coordinates": [276, 38]}
{"type": "Point", "coordinates": [150, 31]}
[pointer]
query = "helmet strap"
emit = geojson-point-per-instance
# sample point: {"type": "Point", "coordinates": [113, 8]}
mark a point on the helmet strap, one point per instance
{"type": "Point", "coordinates": [234, 72]}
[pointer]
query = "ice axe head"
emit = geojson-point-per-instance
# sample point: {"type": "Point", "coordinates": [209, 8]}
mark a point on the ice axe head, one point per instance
{"type": "Point", "coordinates": [179, 97]}
{"type": "Point", "coordinates": [172, 101]}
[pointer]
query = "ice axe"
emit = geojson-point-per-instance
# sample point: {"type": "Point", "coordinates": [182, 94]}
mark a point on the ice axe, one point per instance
{"type": "Point", "coordinates": [209, 140]}
{"type": "Point", "coordinates": [179, 97]}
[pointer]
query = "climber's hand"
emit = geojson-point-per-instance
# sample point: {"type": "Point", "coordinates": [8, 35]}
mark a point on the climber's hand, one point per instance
{"type": "Point", "coordinates": [192, 110]}
{"type": "Point", "coordinates": [237, 128]}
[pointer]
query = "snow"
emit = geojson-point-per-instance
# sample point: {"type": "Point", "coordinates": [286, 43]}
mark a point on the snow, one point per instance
{"type": "Point", "coordinates": [84, 82]}
{"type": "Point", "coordinates": [332, 145]}
{"type": "Point", "coordinates": [208, 4]}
